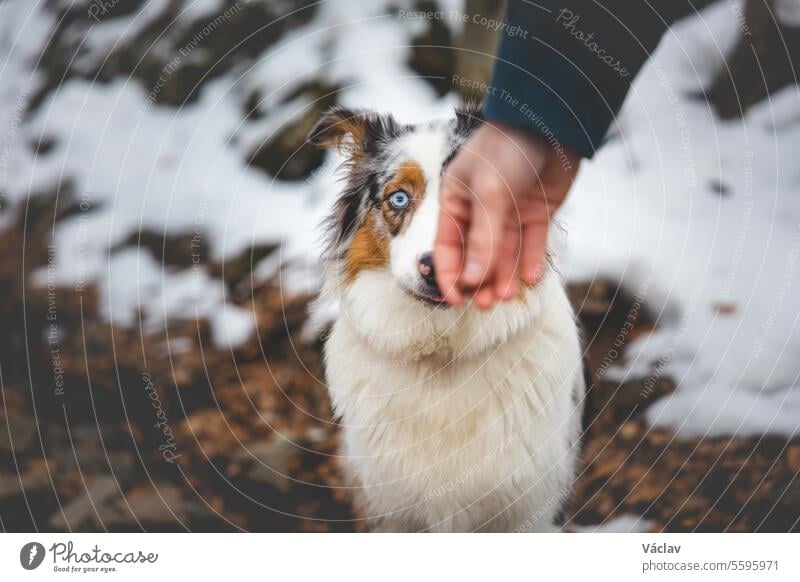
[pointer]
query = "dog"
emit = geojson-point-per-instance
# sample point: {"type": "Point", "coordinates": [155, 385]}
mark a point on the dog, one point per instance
{"type": "Point", "coordinates": [453, 419]}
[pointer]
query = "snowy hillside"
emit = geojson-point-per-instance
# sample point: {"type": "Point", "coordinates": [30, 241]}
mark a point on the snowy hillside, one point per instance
{"type": "Point", "coordinates": [698, 216]}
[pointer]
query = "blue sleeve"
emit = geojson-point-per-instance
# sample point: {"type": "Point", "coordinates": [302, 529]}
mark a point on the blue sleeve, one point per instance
{"type": "Point", "coordinates": [564, 66]}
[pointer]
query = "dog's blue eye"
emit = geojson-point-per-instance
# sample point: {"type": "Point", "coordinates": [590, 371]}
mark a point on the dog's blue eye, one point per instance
{"type": "Point", "coordinates": [399, 200]}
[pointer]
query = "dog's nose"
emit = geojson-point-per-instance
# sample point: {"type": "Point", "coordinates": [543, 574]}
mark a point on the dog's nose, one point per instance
{"type": "Point", "coordinates": [426, 269]}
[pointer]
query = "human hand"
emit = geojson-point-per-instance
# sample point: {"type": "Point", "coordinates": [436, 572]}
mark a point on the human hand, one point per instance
{"type": "Point", "coordinates": [498, 196]}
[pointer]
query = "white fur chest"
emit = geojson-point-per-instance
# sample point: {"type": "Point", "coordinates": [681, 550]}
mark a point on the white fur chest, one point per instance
{"type": "Point", "coordinates": [450, 442]}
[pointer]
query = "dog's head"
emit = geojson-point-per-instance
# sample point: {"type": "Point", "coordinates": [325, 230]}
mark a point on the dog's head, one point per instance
{"type": "Point", "coordinates": [386, 218]}
{"type": "Point", "coordinates": [381, 234]}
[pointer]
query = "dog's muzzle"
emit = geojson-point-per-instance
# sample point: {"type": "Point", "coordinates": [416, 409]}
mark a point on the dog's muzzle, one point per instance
{"type": "Point", "coordinates": [429, 289]}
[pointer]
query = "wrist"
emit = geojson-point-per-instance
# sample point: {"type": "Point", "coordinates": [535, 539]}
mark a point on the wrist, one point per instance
{"type": "Point", "coordinates": [533, 142]}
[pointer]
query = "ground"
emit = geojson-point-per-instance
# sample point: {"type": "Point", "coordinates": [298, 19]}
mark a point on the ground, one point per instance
{"type": "Point", "coordinates": [113, 421]}
{"type": "Point", "coordinates": [167, 432]}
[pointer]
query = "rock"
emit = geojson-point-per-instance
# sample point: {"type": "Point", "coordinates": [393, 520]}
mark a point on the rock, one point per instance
{"type": "Point", "coordinates": [237, 269]}
{"type": "Point", "coordinates": [161, 506]}
{"type": "Point", "coordinates": [43, 146]}
{"type": "Point", "coordinates": [629, 430]}
{"type": "Point", "coordinates": [81, 510]}
{"type": "Point", "coordinates": [90, 457]}
{"type": "Point", "coordinates": [164, 506]}
{"type": "Point", "coordinates": [286, 154]}
{"type": "Point", "coordinates": [724, 307]}
{"type": "Point", "coordinates": [593, 299]}
{"type": "Point", "coordinates": [12, 485]}
{"type": "Point", "coordinates": [214, 433]}
{"type": "Point", "coordinates": [432, 55]}
{"type": "Point", "coordinates": [172, 250]}
{"type": "Point", "coordinates": [269, 461]}
{"type": "Point", "coordinates": [763, 61]}
{"type": "Point", "coordinates": [188, 53]}
{"type": "Point", "coordinates": [611, 403]}
{"type": "Point", "coordinates": [102, 12]}
{"type": "Point", "coordinates": [793, 458]}
{"type": "Point", "coordinates": [718, 187]}
{"type": "Point", "coordinates": [17, 432]}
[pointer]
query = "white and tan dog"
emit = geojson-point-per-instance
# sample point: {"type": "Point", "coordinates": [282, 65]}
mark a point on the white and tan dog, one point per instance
{"type": "Point", "coordinates": [453, 419]}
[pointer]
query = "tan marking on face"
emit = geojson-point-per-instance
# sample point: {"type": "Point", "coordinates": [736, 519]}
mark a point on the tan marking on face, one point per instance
{"type": "Point", "coordinates": [411, 178]}
{"type": "Point", "coordinates": [368, 250]}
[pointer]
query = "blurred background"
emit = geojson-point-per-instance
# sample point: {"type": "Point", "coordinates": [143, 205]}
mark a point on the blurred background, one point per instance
{"type": "Point", "coordinates": [159, 213]}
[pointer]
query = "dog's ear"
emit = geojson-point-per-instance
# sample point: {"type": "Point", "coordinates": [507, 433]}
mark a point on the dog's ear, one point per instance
{"type": "Point", "coordinates": [352, 130]}
{"type": "Point", "coordinates": [336, 126]}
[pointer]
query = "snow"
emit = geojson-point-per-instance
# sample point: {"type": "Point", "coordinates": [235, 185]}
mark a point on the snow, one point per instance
{"type": "Point", "coordinates": [22, 31]}
{"type": "Point", "coordinates": [231, 326]}
{"type": "Point", "coordinates": [788, 12]}
{"type": "Point", "coordinates": [717, 269]}
{"type": "Point", "coordinates": [622, 524]}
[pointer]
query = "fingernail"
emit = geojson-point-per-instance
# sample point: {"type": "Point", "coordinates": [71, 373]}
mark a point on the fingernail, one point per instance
{"type": "Point", "coordinates": [473, 269]}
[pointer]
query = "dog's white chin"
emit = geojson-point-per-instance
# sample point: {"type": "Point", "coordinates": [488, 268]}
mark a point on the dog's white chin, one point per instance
{"type": "Point", "coordinates": [392, 321]}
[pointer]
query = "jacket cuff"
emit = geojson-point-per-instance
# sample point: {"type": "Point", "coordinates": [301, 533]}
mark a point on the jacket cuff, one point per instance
{"type": "Point", "coordinates": [538, 106]}
{"type": "Point", "coordinates": [551, 97]}
{"type": "Point", "coordinates": [565, 71]}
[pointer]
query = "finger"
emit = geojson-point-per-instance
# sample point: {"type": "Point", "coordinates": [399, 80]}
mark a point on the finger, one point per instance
{"type": "Point", "coordinates": [537, 214]}
{"type": "Point", "coordinates": [534, 250]}
{"type": "Point", "coordinates": [506, 281]}
{"type": "Point", "coordinates": [448, 248]}
{"type": "Point", "coordinates": [485, 232]}
{"type": "Point", "coordinates": [484, 298]}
